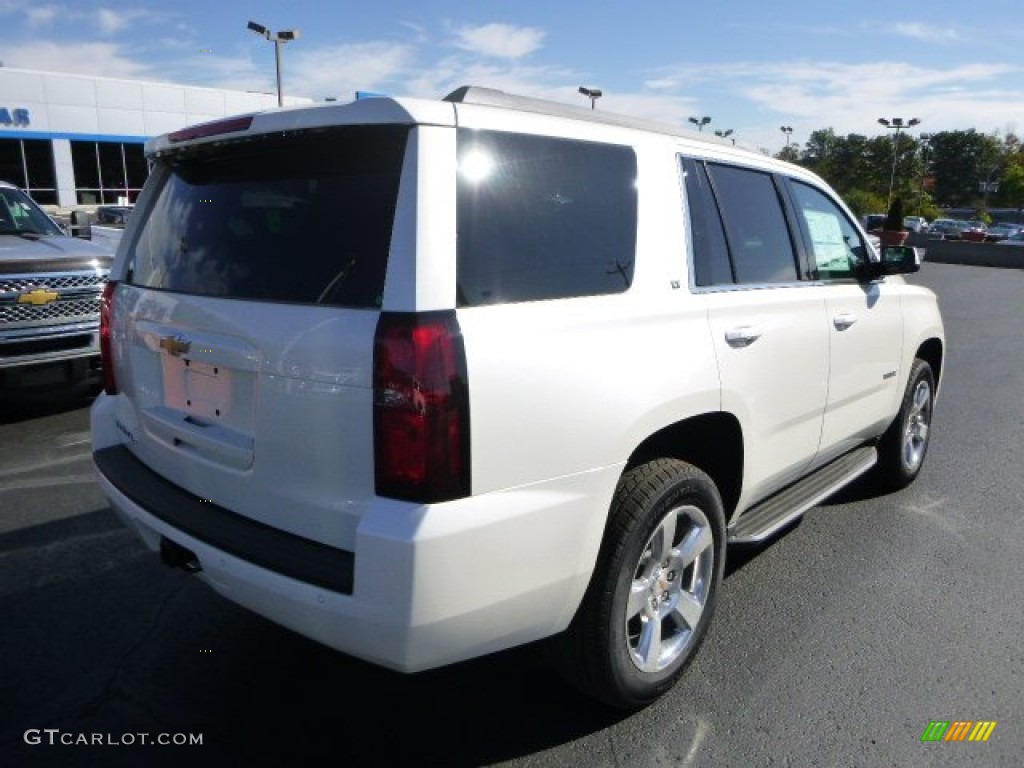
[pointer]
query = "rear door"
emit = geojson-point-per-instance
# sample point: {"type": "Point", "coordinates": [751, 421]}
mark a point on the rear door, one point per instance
{"type": "Point", "coordinates": [246, 322]}
{"type": "Point", "coordinates": [767, 325]}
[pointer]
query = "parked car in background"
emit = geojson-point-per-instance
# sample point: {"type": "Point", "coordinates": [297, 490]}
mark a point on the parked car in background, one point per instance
{"type": "Point", "coordinates": [1002, 231]}
{"type": "Point", "coordinates": [113, 215]}
{"type": "Point", "coordinates": [50, 286]}
{"type": "Point", "coordinates": [974, 231]}
{"type": "Point", "coordinates": [946, 229]}
{"type": "Point", "coordinates": [1015, 239]}
{"type": "Point", "coordinates": [915, 223]}
{"type": "Point", "coordinates": [106, 236]}
{"type": "Point", "coordinates": [873, 222]}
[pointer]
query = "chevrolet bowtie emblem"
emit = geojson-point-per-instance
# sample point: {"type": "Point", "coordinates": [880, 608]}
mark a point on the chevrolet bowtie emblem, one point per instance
{"type": "Point", "coordinates": [175, 345]}
{"type": "Point", "coordinates": [38, 297]}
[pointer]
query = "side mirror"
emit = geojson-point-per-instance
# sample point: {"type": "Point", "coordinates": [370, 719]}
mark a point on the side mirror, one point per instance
{"type": "Point", "coordinates": [896, 260]}
{"type": "Point", "coordinates": [81, 225]}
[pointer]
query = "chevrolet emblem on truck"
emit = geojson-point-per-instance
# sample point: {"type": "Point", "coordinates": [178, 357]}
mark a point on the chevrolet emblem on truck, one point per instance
{"type": "Point", "coordinates": [176, 346]}
{"type": "Point", "coordinates": [38, 297]}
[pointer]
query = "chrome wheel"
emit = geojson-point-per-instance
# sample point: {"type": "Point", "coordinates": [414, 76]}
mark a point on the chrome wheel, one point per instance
{"type": "Point", "coordinates": [670, 588]}
{"type": "Point", "coordinates": [915, 433]}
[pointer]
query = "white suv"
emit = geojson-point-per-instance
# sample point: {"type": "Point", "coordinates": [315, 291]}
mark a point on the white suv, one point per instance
{"type": "Point", "coordinates": [425, 380]}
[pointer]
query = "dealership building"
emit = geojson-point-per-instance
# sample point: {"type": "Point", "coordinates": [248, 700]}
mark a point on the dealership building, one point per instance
{"type": "Point", "coordinates": [74, 140]}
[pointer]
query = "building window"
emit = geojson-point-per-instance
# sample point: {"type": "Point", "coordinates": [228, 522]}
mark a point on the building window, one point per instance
{"type": "Point", "coordinates": [107, 170]}
{"type": "Point", "coordinates": [28, 163]}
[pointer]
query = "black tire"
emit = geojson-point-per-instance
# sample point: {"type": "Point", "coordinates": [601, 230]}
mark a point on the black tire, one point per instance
{"type": "Point", "coordinates": [902, 449]}
{"type": "Point", "coordinates": [627, 651]}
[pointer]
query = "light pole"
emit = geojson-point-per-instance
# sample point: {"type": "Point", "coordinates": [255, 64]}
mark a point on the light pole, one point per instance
{"type": "Point", "coordinates": [926, 139]}
{"type": "Point", "coordinates": [988, 185]}
{"type": "Point", "coordinates": [788, 130]}
{"type": "Point", "coordinates": [897, 125]}
{"type": "Point", "coordinates": [725, 135]}
{"type": "Point", "coordinates": [700, 122]}
{"type": "Point", "coordinates": [592, 93]}
{"type": "Point", "coordinates": [284, 36]}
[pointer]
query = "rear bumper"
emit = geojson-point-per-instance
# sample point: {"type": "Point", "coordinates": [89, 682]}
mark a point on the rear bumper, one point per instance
{"type": "Point", "coordinates": [201, 519]}
{"type": "Point", "coordinates": [425, 586]}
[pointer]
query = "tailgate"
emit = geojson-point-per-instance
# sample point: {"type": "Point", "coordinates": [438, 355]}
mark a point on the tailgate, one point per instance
{"type": "Point", "coordinates": [265, 413]}
{"type": "Point", "coordinates": [243, 330]}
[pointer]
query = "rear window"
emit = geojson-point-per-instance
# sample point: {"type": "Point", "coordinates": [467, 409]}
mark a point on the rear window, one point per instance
{"type": "Point", "coordinates": [543, 218]}
{"type": "Point", "coordinates": [303, 217]}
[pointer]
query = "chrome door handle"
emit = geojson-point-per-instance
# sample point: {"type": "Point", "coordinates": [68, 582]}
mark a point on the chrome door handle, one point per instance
{"type": "Point", "coordinates": [844, 320]}
{"type": "Point", "coordinates": [743, 336]}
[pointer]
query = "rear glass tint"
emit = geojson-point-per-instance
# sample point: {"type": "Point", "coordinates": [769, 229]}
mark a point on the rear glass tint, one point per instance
{"type": "Point", "coordinates": [543, 218]}
{"type": "Point", "coordinates": [303, 217]}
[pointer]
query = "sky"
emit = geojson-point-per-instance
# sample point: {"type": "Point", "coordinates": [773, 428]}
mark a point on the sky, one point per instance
{"type": "Point", "coordinates": [751, 65]}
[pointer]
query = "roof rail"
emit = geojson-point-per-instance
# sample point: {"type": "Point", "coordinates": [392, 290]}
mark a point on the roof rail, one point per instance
{"type": "Point", "coordinates": [491, 97]}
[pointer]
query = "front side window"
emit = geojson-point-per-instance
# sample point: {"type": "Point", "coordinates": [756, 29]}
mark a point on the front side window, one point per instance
{"type": "Point", "coordinates": [18, 214]}
{"type": "Point", "coordinates": [836, 246]}
{"type": "Point", "coordinates": [755, 225]}
{"type": "Point", "coordinates": [302, 218]}
{"type": "Point", "coordinates": [543, 218]}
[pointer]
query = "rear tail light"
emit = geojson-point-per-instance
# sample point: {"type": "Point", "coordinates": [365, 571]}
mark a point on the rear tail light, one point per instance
{"type": "Point", "coordinates": [420, 407]}
{"type": "Point", "coordinates": [106, 353]}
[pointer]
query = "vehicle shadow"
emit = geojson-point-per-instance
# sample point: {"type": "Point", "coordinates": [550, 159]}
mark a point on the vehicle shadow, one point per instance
{"type": "Point", "coordinates": [105, 639]}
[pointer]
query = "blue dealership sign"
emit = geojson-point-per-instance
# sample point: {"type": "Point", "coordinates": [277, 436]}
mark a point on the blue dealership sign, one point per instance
{"type": "Point", "coordinates": [15, 117]}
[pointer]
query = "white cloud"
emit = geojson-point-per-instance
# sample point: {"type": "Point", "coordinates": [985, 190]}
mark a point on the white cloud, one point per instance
{"type": "Point", "coordinates": [100, 59]}
{"type": "Point", "coordinates": [42, 15]}
{"type": "Point", "coordinates": [925, 32]}
{"type": "Point", "coordinates": [419, 32]}
{"type": "Point", "coordinates": [752, 96]}
{"type": "Point", "coordinates": [110, 22]}
{"type": "Point", "coordinates": [342, 70]}
{"type": "Point", "coordinates": [502, 41]}
{"type": "Point", "coordinates": [650, 106]}
{"type": "Point", "coordinates": [447, 74]}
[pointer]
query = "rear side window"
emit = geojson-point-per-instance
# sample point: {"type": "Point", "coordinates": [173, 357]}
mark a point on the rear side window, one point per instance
{"type": "Point", "coordinates": [303, 217]}
{"type": "Point", "coordinates": [543, 218]}
{"type": "Point", "coordinates": [759, 239]}
{"type": "Point", "coordinates": [710, 251]}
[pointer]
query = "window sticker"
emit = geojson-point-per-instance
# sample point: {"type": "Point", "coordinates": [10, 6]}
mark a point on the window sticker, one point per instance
{"type": "Point", "coordinates": [830, 248]}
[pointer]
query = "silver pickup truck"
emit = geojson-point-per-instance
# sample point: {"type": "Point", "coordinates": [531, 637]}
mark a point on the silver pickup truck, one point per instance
{"type": "Point", "coordinates": [50, 289]}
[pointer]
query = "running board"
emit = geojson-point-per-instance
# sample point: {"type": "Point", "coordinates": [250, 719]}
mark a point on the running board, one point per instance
{"type": "Point", "coordinates": [761, 521]}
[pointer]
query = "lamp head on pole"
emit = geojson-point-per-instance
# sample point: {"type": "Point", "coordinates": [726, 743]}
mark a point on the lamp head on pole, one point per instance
{"type": "Point", "coordinates": [259, 29]}
{"type": "Point", "coordinates": [591, 93]}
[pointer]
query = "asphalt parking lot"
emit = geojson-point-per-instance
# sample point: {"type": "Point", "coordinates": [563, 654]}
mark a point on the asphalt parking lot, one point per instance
{"type": "Point", "coordinates": [836, 644]}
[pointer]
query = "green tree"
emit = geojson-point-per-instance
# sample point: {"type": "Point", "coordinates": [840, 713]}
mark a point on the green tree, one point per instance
{"type": "Point", "coordinates": [961, 160]}
{"type": "Point", "coordinates": [862, 167]}
{"type": "Point", "coordinates": [789, 153]}
{"type": "Point", "coordinates": [1011, 186]}
{"type": "Point", "coordinates": [862, 202]}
